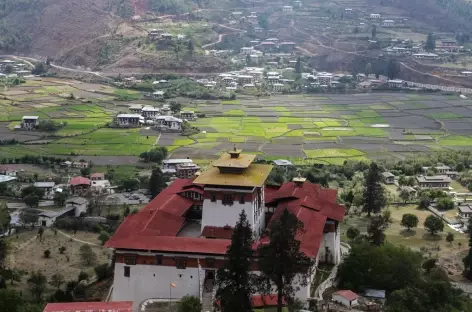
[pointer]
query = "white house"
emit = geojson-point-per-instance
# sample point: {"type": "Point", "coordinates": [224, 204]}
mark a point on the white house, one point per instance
{"type": "Point", "coordinates": [347, 298]}
{"type": "Point", "coordinates": [287, 9]}
{"type": "Point", "coordinates": [173, 163]}
{"type": "Point", "coordinates": [149, 112]}
{"type": "Point", "coordinates": [427, 56]}
{"type": "Point", "coordinates": [78, 203]}
{"type": "Point", "coordinates": [374, 16]}
{"type": "Point", "coordinates": [388, 23]}
{"type": "Point", "coordinates": [29, 122]}
{"type": "Point", "coordinates": [168, 123]}
{"type": "Point", "coordinates": [129, 120]}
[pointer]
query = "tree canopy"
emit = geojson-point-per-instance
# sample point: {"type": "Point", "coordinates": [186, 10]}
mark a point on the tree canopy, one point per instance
{"type": "Point", "coordinates": [157, 154]}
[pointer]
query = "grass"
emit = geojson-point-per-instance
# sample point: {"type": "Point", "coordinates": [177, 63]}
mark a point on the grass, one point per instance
{"type": "Point", "coordinates": [127, 95]}
{"type": "Point", "coordinates": [456, 140]}
{"type": "Point", "coordinates": [230, 102]}
{"type": "Point", "coordinates": [444, 115]}
{"type": "Point", "coordinates": [331, 152]}
{"type": "Point", "coordinates": [235, 112]}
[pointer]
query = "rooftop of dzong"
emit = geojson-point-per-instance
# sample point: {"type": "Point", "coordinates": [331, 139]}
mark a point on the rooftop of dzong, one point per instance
{"type": "Point", "coordinates": [161, 225]}
{"type": "Point", "coordinates": [116, 306]}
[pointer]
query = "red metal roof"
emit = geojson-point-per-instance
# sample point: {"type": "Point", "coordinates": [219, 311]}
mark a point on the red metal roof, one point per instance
{"type": "Point", "coordinates": [347, 294]}
{"type": "Point", "coordinates": [79, 181]}
{"type": "Point", "coordinates": [217, 232]}
{"type": "Point", "coordinates": [98, 175]}
{"type": "Point", "coordinates": [117, 306]}
{"type": "Point", "coordinates": [265, 300]}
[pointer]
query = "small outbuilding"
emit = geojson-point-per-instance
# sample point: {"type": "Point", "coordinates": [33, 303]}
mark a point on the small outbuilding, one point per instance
{"type": "Point", "coordinates": [347, 298]}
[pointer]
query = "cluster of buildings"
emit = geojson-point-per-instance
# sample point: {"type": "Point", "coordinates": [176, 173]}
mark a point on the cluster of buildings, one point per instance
{"type": "Point", "coordinates": [181, 168]}
{"type": "Point", "coordinates": [442, 178]}
{"type": "Point", "coordinates": [13, 69]}
{"type": "Point", "coordinates": [160, 35]}
{"type": "Point", "coordinates": [159, 118]}
{"type": "Point", "coordinates": [180, 238]}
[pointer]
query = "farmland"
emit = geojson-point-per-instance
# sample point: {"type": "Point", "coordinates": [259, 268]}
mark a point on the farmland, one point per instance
{"type": "Point", "coordinates": [303, 128]}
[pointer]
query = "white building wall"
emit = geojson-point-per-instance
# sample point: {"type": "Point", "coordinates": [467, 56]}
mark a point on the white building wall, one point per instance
{"type": "Point", "coordinates": [331, 240]}
{"type": "Point", "coordinates": [153, 282]}
{"type": "Point", "coordinates": [217, 214]}
{"type": "Point", "coordinates": [341, 300]}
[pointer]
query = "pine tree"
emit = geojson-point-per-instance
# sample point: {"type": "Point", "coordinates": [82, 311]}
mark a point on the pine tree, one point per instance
{"type": "Point", "coordinates": [156, 182]}
{"type": "Point", "coordinates": [374, 31]}
{"type": "Point", "coordinates": [374, 197]}
{"type": "Point", "coordinates": [235, 282]}
{"type": "Point", "coordinates": [191, 47]}
{"type": "Point", "coordinates": [468, 258]}
{"type": "Point", "coordinates": [298, 66]}
{"type": "Point", "coordinates": [430, 44]}
{"type": "Point", "coordinates": [281, 262]}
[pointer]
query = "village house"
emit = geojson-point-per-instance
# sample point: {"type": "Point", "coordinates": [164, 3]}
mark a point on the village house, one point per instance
{"type": "Point", "coordinates": [464, 211]}
{"type": "Point", "coordinates": [247, 50]}
{"type": "Point", "coordinates": [29, 122]}
{"type": "Point", "coordinates": [324, 78]}
{"type": "Point", "coordinates": [170, 123]}
{"type": "Point", "coordinates": [374, 16]}
{"type": "Point", "coordinates": [154, 34]}
{"type": "Point", "coordinates": [244, 79]}
{"type": "Point", "coordinates": [347, 298]}
{"type": "Point", "coordinates": [79, 204]}
{"type": "Point", "coordinates": [79, 185]}
{"type": "Point", "coordinates": [173, 163]}
{"type": "Point", "coordinates": [186, 171]}
{"type": "Point", "coordinates": [347, 11]}
{"type": "Point", "coordinates": [440, 169]}
{"type": "Point", "coordinates": [159, 94]}
{"type": "Point", "coordinates": [47, 187]}
{"type": "Point", "coordinates": [165, 242]}
{"type": "Point", "coordinates": [282, 163]}
{"type": "Point", "coordinates": [397, 83]}
{"type": "Point", "coordinates": [426, 56]}
{"type": "Point", "coordinates": [258, 30]}
{"type": "Point", "coordinates": [187, 115]}
{"type": "Point", "coordinates": [166, 36]}
{"type": "Point", "coordinates": [388, 23]}
{"type": "Point", "coordinates": [80, 164]}
{"type": "Point", "coordinates": [110, 306]}
{"type": "Point", "coordinates": [287, 9]}
{"type": "Point", "coordinates": [268, 46]}
{"type": "Point", "coordinates": [297, 3]}
{"type": "Point", "coordinates": [149, 112]}
{"type": "Point", "coordinates": [388, 177]}
{"type": "Point", "coordinates": [135, 109]}
{"type": "Point", "coordinates": [8, 171]}
{"type": "Point", "coordinates": [287, 46]}
{"type": "Point", "coordinates": [129, 120]}
{"type": "Point", "coordinates": [466, 73]}
{"type": "Point", "coordinates": [97, 176]}
{"type": "Point", "coordinates": [448, 46]}
{"type": "Point", "coordinates": [438, 181]}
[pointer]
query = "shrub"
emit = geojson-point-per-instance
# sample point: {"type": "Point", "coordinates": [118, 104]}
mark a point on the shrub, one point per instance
{"type": "Point", "coordinates": [62, 249]}
{"type": "Point", "coordinates": [83, 276]}
{"type": "Point", "coordinates": [47, 253]}
{"type": "Point", "coordinates": [103, 271]}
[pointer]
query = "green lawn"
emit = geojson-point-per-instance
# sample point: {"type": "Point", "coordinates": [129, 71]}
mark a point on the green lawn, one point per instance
{"type": "Point", "coordinates": [456, 140]}
{"type": "Point", "coordinates": [320, 153]}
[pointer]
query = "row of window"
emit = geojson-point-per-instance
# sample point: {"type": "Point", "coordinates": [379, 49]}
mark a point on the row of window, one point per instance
{"type": "Point", "coordinates": [180, 262]}
{"type": "Point", "coordinates": [229, 198]}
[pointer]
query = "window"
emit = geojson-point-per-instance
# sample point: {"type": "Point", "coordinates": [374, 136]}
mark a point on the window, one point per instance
{"type": "Point", "coordinates": [159, 259]}
{"type": "Point", "coordinates": [241, 199]}
{"type": "Point", "coordinates": [227, 199]}
{"type": "Point", "coordinates": [213, 197]}
{"type": "Point", "coordinates": [127, 271]}
{"type": "Point", "coordinates": [130, 260]}
{"type": "Point", "coordinates": [181, 263]}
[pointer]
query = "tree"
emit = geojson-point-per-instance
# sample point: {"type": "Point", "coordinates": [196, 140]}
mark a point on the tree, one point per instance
{"type": "Point", "coordinates": [433, 224]}
{"type": "Point", "coordinates": [374, 198]}
{"type": "Point", "coordinates": [450, 237]}
{"type": "Point", "coordinates": [376, 230]}
{"type": "Point", "coordinates": [281, 262]}
{"type": "Point", "coordinates": [87, 255]}
{"type": "Point", "coordinates": [157, 182]}
{"type": "Point", "coordinates": [29, 216]}
{"type": "Point", "coordinates": [175, 107]}
{"type": "Point", "coordinates": [468, 258]}
{"type": "Point", "coordinates": [235, 281]}
{"type": "Point", "coordinates": [32, 190]}
{"type": "Point", "coordinates": [85, 172]}
{"type": "Point", "coordinates": [47, 253]}
{"type": "Point", "coordinates": [5, 217]}
{"type": "Point", "coordinates": [157, 154]}
{"type": "Point", "coordinates": [103, 271]}
{"type": "Point", "coordinates": [31, 200]}
{"type": "Point", "coordinates": [430, 43]}
{"type": "Point", "coordinates": [405, 194]}
{"type": "Point", "coordinates": [352, 233]}
{"type": "Point", "coordinates": [131, 184]}
{"type": "Point", "coordinates": [57, 280]}
{"type": "Point", "coordinates": [60, 198]}
{"type": "Point", "coordinates": [103, 237]}
{"type": "Point", "coordinates": [379, 267]}
{"type": "Point", "coordinates": [424, 203]}
{"type": "Point", "coordinates": [39, 69]}
{"type": "Point", "coordinates": [9, 69]}
{"type": "Point", "coordinates": [445, 203]}
{"type": "Point", "coordinates": [393, 69]}
{"type": "Point", "coordinates": [83, 276]}
{"type": "Point", "coordinates": [40, 234]}
{"type": "Point", "coordinates": [37, 284]}
{"type": "Point", "coordinates": [62, 249]}
{"type": "Point", "coordinates": [191, 47]}
{"type": "Point", "coordinates": [368, 69]}
{"type": "Point", "coordinates": [298, 66]}
{"type": "Point", "coordinates": [402, 180]}
{"type": "Point", "coordinates": [409, 221]}
{"type": "Point", "coordinates": [12, 301]}
{"type": "Point", "coordinates": [190, 304]}
{"type": "Point", "coordinates": [374, 31]}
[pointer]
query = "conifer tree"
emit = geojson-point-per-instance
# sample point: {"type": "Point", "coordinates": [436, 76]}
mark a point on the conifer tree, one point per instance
{"type": "Point", "coordinates": [374, 198]}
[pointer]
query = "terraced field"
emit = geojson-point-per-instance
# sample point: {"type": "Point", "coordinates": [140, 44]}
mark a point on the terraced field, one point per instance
{"type": "Point", "coordinates": [303, 128]}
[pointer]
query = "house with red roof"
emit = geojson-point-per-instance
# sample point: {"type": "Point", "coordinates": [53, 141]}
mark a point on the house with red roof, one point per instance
{"type": "Point", "coordinates": [121, 306]}
{"type": "Point", "coordinates": [180, 238]}
{"type": "Point", "coordinates": [79, 185]}
{"type": "Point", "coordinates": [347, 298]}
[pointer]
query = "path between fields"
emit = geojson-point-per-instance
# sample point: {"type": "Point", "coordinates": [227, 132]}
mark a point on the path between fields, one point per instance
{"type": "Point", "coordinates": [79, 240]}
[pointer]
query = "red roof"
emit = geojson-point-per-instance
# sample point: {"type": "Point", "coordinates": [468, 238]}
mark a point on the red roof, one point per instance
{"type": "Point", "coordinates": [79, 181]}
{"type": "Point", "coordinates": [117, 306]}
{"type": "Point", "coordinates": [265, 300]}
{"type": "Point", "coordinates": [217, 232]}
{"type": "Point", "coordinates": [97, 175]}
{"type": "Point", "coordinates": [346, 294]}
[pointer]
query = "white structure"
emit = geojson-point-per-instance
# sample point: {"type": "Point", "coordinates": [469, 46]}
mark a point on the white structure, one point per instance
{"type": "Point", "coordinates": [29, 122]}
{"type": "Point", "coordinates": [79, 204]}
{"type": "Point", "coordinates": [178, 241]}
{"type": "Point", "coordinates": [428, 56]}
{"type": "Point", "coordinates": [346, 297]}
{"type": "Point", "coordinates": [374, 16]}
{"type": "Point", "coordinates": [135, 108]}
{"type": "Point", "coordinates": [287, 9]}
{"type": "Point", "coordinates": [168, 123]}
{"type": "Point", "coordinates": [173, 163]}
{"type": "Point", "coordinates": [129, 120]}
{"type": "Point", "coordinates": [388, 23]}
{"type": "Point", "coordinates": [149, 112]}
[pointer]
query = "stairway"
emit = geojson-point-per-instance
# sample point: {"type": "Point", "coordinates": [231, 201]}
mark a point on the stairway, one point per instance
{"type": "Point", "coordinates": [207, 296]}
